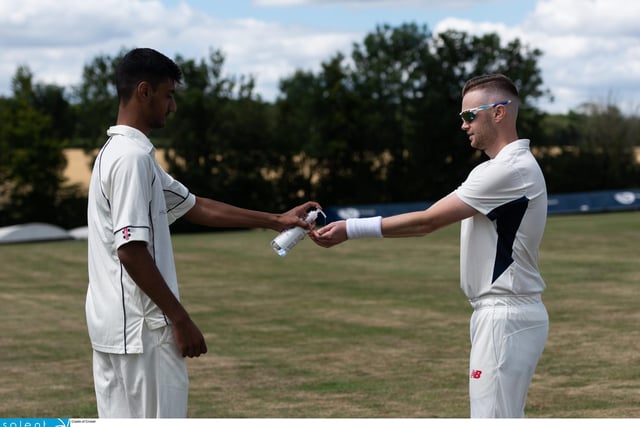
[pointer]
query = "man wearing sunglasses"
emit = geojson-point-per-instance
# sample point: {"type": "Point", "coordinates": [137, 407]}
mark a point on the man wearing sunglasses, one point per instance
{"type": "Point", "coordinates": [503, 208]}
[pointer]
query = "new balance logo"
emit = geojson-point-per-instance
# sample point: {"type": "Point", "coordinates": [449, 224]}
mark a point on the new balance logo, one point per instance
{"type": "Point", "coordinates": [476, 374]}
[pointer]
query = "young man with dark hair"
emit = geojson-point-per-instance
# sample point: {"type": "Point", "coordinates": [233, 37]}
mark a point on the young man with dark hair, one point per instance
{"type": "Point", "coordinates": [139, 330]}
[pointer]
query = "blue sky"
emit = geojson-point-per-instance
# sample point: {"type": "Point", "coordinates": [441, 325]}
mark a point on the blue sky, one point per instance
{"type": "Point", "coordinates": [591, 47]}
{"type": "Point", "coordinates": [343, 15]}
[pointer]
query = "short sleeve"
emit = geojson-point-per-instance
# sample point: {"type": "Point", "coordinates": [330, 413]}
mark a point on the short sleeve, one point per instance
{"type": "Point", "coordinates": [130, 192]}
{"type": "Point", "coordinates": [177, 197]}
{"type": "Point", "coordinates": [491, 185]}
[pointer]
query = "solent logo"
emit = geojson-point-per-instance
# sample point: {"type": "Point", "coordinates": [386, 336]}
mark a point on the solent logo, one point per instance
{"type": "Point", "coordinates": [34, 422]}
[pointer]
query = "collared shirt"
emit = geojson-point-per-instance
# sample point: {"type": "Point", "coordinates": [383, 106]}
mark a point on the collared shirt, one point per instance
{"type": "Point", "coordinates": [131, 198]}
{"type": "Point", "coordinates": [499, 246]}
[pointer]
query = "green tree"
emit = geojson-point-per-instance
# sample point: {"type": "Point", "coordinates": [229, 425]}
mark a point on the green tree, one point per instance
{"type": "Point", "coordinates": [319, 134]}
{"type": "Point", "coordinates": [594, 150]}
{"type": "Point", "coordinates": [34, 130]}
{"type": "Point", "coordinates": [220, 138]}
{"type": "Point", "coordinates": [95, 101]}
{"type": "Point", "coordinates": [384, 126]}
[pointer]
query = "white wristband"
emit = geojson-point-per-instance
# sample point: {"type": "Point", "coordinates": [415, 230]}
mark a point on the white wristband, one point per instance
{"type": "Point", "coordinates": [358, 228]}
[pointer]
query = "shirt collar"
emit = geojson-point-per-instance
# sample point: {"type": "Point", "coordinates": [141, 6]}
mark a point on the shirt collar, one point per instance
{"type": "Point", "coordinates": [512, 146]}
{"type": "Point", "coordinates": [133, 134]}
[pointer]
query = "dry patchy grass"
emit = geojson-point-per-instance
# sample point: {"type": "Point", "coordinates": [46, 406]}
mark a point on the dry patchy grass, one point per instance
{"type": "Point", "coordinates": [367, 329]}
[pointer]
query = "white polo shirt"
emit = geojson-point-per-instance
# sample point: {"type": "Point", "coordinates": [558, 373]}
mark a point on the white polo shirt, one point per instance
{"type": "Point", "coordinates": [499, 246]}
{"type": "Point", "coordinates": [131, 198]}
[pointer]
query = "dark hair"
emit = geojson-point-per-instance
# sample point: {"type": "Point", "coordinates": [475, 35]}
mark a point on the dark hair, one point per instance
{"type": "Point", "coordinates": [144, 64]}
{"type": "Point", "coordinates": [491, 82]}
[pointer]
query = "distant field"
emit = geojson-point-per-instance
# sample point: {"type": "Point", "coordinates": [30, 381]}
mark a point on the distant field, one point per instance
{"type": "Point", "coordinates": [367, 329]}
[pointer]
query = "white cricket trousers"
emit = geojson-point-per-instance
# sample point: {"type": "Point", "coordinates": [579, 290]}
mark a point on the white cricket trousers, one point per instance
{"type": "Point", "coordinates": [508, 335]}
{"type": "Point", "coordinates": [153, 384]}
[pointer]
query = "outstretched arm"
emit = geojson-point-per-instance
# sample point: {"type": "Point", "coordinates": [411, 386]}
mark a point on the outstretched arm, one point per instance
{"type": "Point", "coordinates": [446, 211]}
{"type": "Point", "coordinates": [213, 213]}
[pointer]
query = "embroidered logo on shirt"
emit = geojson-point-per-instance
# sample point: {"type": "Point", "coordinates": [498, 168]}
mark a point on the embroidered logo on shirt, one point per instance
{"type": "Point", "coordinates": [126, 234]}
{"type": "Point", "coordinates": [476, 374]}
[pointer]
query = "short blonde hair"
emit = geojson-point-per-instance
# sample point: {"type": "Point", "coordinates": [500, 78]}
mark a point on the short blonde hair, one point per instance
{"type": "Point", "coordinates": [492, 83]}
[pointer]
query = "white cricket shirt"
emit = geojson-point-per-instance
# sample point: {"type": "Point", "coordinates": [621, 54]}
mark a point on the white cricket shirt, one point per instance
{"type": "Point", "coordinates": [499, 246]}
{"type": "Point", "coordinates": [131, 198]}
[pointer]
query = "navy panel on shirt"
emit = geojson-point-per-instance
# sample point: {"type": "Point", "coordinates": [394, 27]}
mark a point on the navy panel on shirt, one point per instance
{"type": "Point", "coordinates": [508, 218]}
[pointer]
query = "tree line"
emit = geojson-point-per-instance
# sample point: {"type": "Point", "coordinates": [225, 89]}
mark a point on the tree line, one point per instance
{"type": "Point", "coordinates": [379, 124]}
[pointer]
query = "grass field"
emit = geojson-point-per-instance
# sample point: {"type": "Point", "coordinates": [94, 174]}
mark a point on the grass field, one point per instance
{"type": "Point", "coordinates": [367, 329]}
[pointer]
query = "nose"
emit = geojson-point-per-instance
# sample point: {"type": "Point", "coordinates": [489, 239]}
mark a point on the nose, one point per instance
{"type": "Point", "coordinates": [465, 126]}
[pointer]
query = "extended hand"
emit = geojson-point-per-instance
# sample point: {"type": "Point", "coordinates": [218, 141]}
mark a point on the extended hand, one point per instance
{"type": "Point", "coordinates": [295, 217]}
{"type": "Point", "coordinates": [330, 235]}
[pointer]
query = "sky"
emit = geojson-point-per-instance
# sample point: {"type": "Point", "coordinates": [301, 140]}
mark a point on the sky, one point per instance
{"type": "Point", "coordinates": [591, 48]}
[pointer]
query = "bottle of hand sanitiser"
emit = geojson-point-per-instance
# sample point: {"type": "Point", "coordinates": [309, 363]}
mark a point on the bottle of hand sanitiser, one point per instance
{"type": "Point", "coordinates": [286, 240]}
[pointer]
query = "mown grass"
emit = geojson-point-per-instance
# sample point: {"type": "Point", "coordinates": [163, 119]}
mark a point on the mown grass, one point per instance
{"type": "Point", "coordinates": [367, 329]}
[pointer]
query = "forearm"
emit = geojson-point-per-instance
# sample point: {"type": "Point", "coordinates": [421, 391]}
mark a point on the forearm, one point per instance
{"type": "Point", "coordinates": [444, 212]}
{"type": "Point", "coordinates": [213, 213]}
{"type": "Point", "coordinates": [413, 224]}
{"type": "Point", "coordinates": [142, 269]}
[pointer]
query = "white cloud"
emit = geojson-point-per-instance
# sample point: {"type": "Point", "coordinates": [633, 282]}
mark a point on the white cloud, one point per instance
{"type": "Point", "coordinates": [56, 38]}
{"type": "Point", "coordinates": [591, 48]}
{"type": "Point", "coordinates": [267, 51]}
{"type": "Point", "coordinates": [594, 17]}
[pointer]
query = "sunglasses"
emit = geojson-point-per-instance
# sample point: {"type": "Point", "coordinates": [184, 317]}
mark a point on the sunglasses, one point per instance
{"type": "Point", "coordinates": [468, 115]}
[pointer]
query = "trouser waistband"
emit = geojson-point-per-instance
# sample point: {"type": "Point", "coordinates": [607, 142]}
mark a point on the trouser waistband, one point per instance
{"type": "Point", "coordinates": [504, 300]}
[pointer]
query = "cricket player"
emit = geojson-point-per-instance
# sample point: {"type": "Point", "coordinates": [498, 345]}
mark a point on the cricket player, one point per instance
{"type": "Point", "coordinates": [503, 208]}
{"type": "Point", "coordinates": [139, 330]}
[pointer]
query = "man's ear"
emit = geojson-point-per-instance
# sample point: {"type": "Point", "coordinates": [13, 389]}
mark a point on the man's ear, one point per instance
{"type": "Point", "coordinates": [143, 90]}
{"type": "Point", "coordinates": [499, 112]}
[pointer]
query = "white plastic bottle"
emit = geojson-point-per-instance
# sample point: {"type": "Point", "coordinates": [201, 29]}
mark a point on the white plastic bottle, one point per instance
{"type": "Point", "coordinates": [286, 240]}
